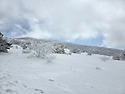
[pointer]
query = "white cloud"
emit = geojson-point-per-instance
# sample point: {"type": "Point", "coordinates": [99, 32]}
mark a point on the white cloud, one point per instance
{"type": "Point", "coordinates": [38, 33]}
{"type": "Point", "coordinates": [68, 19]}
{"type": "Point", "coordinates": [115, 35]}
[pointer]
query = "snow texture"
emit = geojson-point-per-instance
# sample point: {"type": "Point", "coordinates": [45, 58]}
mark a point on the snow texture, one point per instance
{"type": "Point", "coordinates": [68, 74]}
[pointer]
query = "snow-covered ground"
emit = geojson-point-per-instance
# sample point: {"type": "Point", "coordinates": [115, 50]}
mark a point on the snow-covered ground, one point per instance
{"type": "Point", "coordinates": [67, 74]}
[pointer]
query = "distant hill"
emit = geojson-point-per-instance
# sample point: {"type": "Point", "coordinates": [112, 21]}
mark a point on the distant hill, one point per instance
{"type": "Point", "coordinates": [71, 46]}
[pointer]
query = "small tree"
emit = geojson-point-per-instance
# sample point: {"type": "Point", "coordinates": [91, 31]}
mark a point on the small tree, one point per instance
{"type": "Point", "coordinates": [122, 55]}
{"type": "Point", "coordinates": [43, 50]}
{"type": "Point", "coordinates": [59, 48]}
{"type": "Point", "coordinates": [116, 57]}
{"type": "Point", "coordinates": [119, 57]}
{"type": "Point", "coordinates": [78, 51]}
{"type": "Point", "coordinates": [4, 45]}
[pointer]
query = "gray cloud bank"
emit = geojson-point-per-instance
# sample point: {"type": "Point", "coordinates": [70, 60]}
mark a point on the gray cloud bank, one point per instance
{"type": "Point", "coordinates": [65, 19]}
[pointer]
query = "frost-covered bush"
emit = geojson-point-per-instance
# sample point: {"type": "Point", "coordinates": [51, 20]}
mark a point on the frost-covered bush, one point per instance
{"type": "Point", "coordinates": [59, 48]}
{"type": "Point", "coordinates": [24, 46]}
{"type": "Point", "coordinates": [43, 50]}
{"type": "Point", "coordinates": [116, 57]}
{"type": "Point", "coordinates": [14, 41]}
{"type": "Point", "coordinates": [4, 45]}
{"type": "Point", "coordinates": [122, 55]}
{"type": "Point", "coordinates": [76, 51]}
{"type": "Point", "coordinates": [89, 53]}
{"type": "Point", "coordinates": [119, 57]}
{"type": "Point", "coordinates": [67, 51]}
{"type": "Point", "coordinates": [26, 51]}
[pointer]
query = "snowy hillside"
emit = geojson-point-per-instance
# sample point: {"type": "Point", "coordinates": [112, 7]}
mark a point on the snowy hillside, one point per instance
{"type": "Point", "coordinates": [72, 47]}
{"type": "Point", "coordinates": [67, 74]}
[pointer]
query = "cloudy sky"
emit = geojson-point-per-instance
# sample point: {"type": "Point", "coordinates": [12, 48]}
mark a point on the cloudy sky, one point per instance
{"type": "Point", "coordinates": [90, 22]}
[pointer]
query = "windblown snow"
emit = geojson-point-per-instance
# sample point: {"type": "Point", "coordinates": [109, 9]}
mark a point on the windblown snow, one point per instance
{"type": "Point", "coordinates": [67, 74]}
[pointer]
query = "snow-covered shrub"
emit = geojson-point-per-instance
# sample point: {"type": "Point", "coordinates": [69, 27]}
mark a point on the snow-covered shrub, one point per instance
{"type": "Point", "coordinates": [14, 41]}
{"type": "Point", "coordinates": [59, 48]}
{"type": "Point", "coordinates": [24, 46]}
{"type": "Point", "coordinates": [89, 53]}
{"type": "Point", "coordinates": [119, 57]}
{"type": "Point", "coordinates": [122, 57]}
{"type": "Point", "coordinates": [4, 45]}
{"type": "Point", "coordinates": [26, 51]}
{"type": "Point", "coordinates": [76, 51]}
{"type": "Point", "coordinates": [43, 50]}
{"type": "Point", "coordinates": [116, 57]}
{"type": "Point", "coordinates": [67, 51]}
{"type": "Point", "coordinates": [16, 47]}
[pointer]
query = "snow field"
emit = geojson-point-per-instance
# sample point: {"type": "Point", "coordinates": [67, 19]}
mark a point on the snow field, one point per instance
{"type": "Point", "coordinates": [67, 74]}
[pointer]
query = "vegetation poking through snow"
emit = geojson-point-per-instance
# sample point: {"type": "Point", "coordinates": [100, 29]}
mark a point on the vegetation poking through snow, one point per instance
{"type": "Point", "coordinates": [123, 55]}
{"type": "Point", "coordinates": [43, 50]}
{"type": "Point", "coordinates": [4, 45]}
{"type": "Point", "coordinates": [119, 57]}
{"type": "Point", "coordinates": [59, 47]}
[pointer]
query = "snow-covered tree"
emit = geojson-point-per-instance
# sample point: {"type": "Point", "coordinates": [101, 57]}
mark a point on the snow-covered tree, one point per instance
{"type": "Point", "coordinates": [119, 57]}
{"type": "Point", "coordinates": [4, 45]}
{"type": "Point", "coordinates": [67, 51]}
{"type": "Point", "coordinates": [123, 55]}
{"type": "Point", "coordinates": [116, 57]}
{"type": "Point", "coordinates": [76, 51]}
{"type": "Point", "coordinates": [59, 48]}
{"type": "Point", "coordinates": [43, 50]}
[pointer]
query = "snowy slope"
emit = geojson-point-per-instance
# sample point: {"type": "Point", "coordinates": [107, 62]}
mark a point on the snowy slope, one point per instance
{"type": "Point", "coordinates": [68, 74]}
{"type": "Point", "coordinates": [82, 48]}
